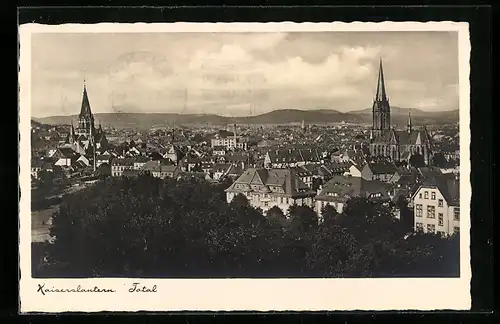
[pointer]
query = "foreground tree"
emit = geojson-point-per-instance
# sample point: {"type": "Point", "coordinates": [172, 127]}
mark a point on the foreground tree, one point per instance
{"type": "Point", "coordinates": [330, 215]}
{"type": "Point", "coordinates": [147, 227]}
{"type": "Point", "coordinates": [304, 219]}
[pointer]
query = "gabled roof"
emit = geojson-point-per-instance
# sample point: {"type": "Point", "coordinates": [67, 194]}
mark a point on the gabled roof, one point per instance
{"type": "Point", "coordinates": [448, 185]}
{"type": "Point", "coordinates": [221, 167]}
{"type": "Point", "coordinates": [429, 172]}
{"type": "Point", "coordinates": [66, 152]}
{"type": "Point", "coordinates": [150, 165]}
{"type": "Point", "coordinates": [338, 167]}
{"type": "Point", "coordinates": [301, 171]}
{"type": "Point", "coordinates": [382, 167]}
{"type": "Point", "coordinates": [346, 187]}
{"type": "Point", "coordinates": [286, 179]}
{"type": "Point", "coordinates": [292, 155]}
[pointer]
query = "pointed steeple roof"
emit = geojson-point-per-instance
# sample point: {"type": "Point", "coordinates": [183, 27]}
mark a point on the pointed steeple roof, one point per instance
{"type": "Point", "coordinates": [85, 110]}
{"type": "Point", "coordinates": [408, 125]}
{"type": "Point", "coordinates": [72, 131]}
{"type": "Point", "coordinates": [381, 94]}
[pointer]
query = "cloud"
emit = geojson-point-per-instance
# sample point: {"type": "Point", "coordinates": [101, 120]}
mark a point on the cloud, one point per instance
{"type": "Point", "coordinates": [240, 73]}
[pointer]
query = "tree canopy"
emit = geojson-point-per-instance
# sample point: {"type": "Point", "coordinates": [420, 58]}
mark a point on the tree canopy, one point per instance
{"type": "Point", "coordinates": [148, 227]}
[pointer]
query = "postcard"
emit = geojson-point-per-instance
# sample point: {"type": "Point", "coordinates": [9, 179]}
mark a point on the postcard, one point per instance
{"type": "Point", "coordinates": [244, 167]}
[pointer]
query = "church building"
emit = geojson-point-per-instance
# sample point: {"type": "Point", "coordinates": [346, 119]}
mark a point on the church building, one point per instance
{"type": "Point", "coordinates": [86, 134]}
{"type": "Point", "coordinates": [386, 141]}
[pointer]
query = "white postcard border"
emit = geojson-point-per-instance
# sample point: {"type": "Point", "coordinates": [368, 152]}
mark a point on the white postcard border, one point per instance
{"type": "Point", "coordinates": [245, 294]}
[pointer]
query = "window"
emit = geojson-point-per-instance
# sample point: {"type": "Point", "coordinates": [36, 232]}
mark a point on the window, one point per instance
{"type": "Point", "coordinates": [431, 212]}
{"type": "Point", "coordinates": [433, 195]}
{"type": "Point", "coordinates": [440, 203]}
{"type": "Point", "coordinates": [440, 219]}
{"type": "Point", "coordinates": [456, 229]}
{"type": "Point", "coordinates": [419, 226]}
{"type": "Point", "coordinates": [266, 203]}
{"type": "Point", "coordinates": [456, 213]}
{"type": "Point", "coordinates": [431, 228]}
{"type": "Point", "coordinates": [420, 195]}
{"type": "Point", "coordinates": [440, 233]}
{"type": "Point", "coordinates": [426, 195]}
{"type": "Point", "coordinates": [418, 210]}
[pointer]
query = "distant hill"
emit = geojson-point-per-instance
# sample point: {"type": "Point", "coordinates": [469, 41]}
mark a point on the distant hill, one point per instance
{"type": "Point", "coordinates": [399, 116]}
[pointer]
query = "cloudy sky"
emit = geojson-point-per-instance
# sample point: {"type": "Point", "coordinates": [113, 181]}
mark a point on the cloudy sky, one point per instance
{"type": "Point", "coordinates": [237, 74]}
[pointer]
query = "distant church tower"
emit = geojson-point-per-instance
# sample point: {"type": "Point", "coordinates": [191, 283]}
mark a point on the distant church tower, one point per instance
{"type": "Point", "coordinates": [381, 109]}
{"type": "Point", "coordinates": [85, 119]}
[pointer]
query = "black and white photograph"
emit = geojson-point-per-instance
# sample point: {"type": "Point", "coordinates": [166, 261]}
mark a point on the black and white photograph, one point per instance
{"type": "Point", "coordinates": [217, 154]}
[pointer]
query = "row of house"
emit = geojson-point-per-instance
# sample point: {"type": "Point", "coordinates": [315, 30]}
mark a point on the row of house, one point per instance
{"type": "Point", "coordinates": [433, 196]}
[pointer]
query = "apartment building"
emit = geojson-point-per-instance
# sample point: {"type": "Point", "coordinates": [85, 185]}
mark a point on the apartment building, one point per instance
{"type": "Point", "coordinates": [436, 205]}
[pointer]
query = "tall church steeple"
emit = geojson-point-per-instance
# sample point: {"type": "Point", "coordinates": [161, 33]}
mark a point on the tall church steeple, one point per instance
{"type": "Point", "coordinates": [381, 94]}
{"type": "Point", "coordinates": [381, 109]}
{"type": "Point", "coordinates": [85, 118]}
{"type": "Point", "coordinates": [408, 125]}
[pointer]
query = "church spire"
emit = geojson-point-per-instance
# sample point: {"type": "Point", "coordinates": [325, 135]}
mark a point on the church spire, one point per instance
{"type": "Point", "coordinates": [381, 109]}
{"type": "Point", "coordinates": [72, 132]}
{"type": "Point", "coordinates": [381, 94]}
{"type": "Point", "coordinates": [85, 110]}
{"type": "Point", "coordinates": [408, 125]}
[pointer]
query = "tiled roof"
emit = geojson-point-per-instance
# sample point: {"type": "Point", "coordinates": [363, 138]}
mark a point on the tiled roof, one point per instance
{"type": "Point", "coordinates": [449, 186]}
{"type": "Point", "coordinates": [338, 167]}
{"type": "Point", "coordinates": [402, 137]}
{"type": "Point", "coordinates": [221, 167]}
{"type": "Point", "coordinates": [341, 188]}
{"type": "Point", "coordinates": [382, 167]}
{"type": "Point", "coordinates": [301, 171]}
{"type": "Point", "coordinates": [123, 162]}
{"type": "Point", "coordinates": [292, 155]}
{"type": "Point", "coordinates": [269, 179]}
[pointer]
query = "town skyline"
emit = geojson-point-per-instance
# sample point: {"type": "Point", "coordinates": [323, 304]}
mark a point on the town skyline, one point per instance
{"type": "Point", "coordinates": [238, 75]}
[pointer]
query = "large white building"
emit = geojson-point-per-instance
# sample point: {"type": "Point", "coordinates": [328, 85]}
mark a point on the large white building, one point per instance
{"type": "Point", "coordinates": [265, 188]}
{"type": "Point", "coordinates": [436, 205]}
{"type": "Point", "coordinates": [229, 140]}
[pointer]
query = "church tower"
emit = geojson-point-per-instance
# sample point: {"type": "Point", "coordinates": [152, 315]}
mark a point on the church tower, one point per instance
{"type": "Point", "coordinates": [85, 118]}
{"type": "Point", "coordinates": [381, 110]}
{"type": "Point", "coordinates": [408, 125]}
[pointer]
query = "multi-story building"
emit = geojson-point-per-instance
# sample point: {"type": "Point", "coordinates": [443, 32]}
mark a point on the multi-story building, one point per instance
{"type": "Point", "coordinates": [265, 188]}
{"type": "Point", "coordinates": [139, 161]}
{"type": "Point", "coordinates": [229, 141]}
{"type": "Point", "coordinates": [120, 165]}
{"type": "Point", "coordinates": [436, 205]}
{"type": "Point", "coordinates": [383, 171]}
{"type": "Point", "coordinates": [161, 169]}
